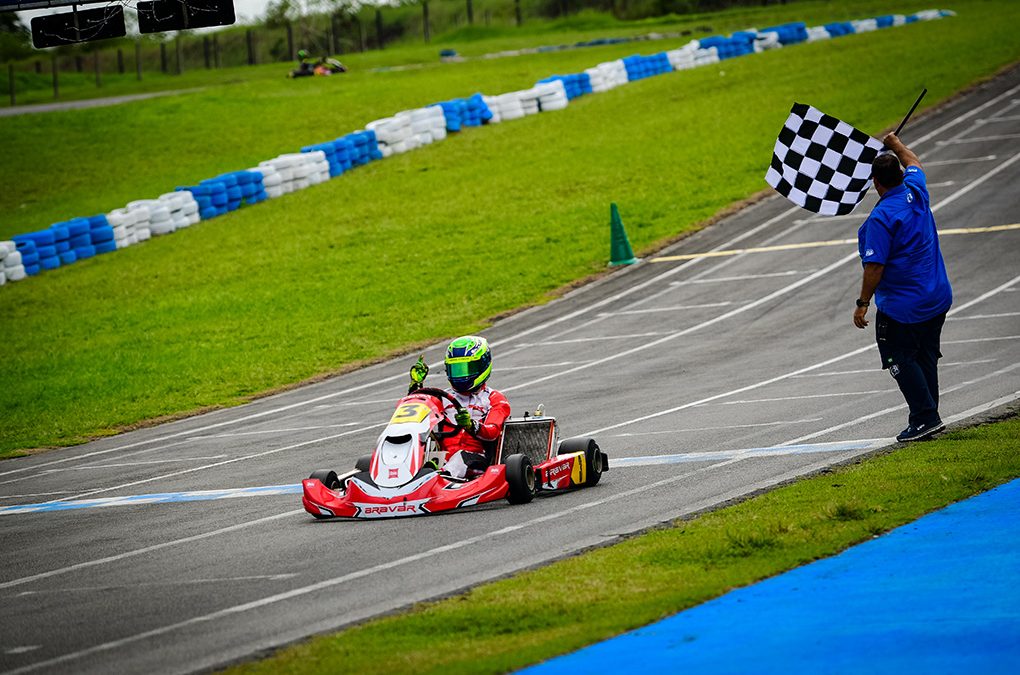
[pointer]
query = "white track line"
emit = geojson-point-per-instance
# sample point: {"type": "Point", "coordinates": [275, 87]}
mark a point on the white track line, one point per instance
{"type": "Point", "coordinates": [965, 160]}
{"type": "Point", "coordinates": [833, 373]}
{"type": "Point", "coordinates": [385, 380]}
{"type": "Point", "coordinates": [567, 317]}
{"type": "Point", "coordinates": [242, 458]}
{"type": "Point", "coordinates": [148, 549]}
{"type": "Point", "coordinates": [779, 378]}
{"type": "Point", "coordinates": [965, 116]}
{"type": "Point", "coordinates": [704, 324]}
{"type": "Point", "coordinates": [984, 316]}
{"type": "Point", "coordinates": [802, 397]}
{"type": "Point", "coordinates": [359, 574]}
{"type": "Point", "coordinates": [719, 428]}
{"type": "Point", "coordinates": [901, 406]}
{"type": "Point", "coordinates": [980, 139]}
{"type": "Point", "coordinates": [987, 339]}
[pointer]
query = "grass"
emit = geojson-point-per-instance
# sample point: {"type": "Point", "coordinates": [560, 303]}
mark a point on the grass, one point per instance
{"type": "Point", "coordinates": [559, 608]}
{"type": "Point", "coordinates": [469, 41]}
{"type": "Point", "coordinates": [347, 271]}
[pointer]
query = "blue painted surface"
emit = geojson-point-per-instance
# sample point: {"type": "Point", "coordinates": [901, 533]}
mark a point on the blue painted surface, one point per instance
{"type": "Point", "coordinates": [156, 498]}
{"type": "Point", "coordinates": [940, 595]}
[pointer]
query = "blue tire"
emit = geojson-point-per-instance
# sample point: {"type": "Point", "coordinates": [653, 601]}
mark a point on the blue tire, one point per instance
{"type": "Point", "coordinates": [68, 257]}
{"type": "Point", "coordinates": [82, 252]}
{"type": "Point", "coordinates": [77, 227]}
{"type": "Point", "coordinates": [32, 270]}
{"type": "Point", "coordinates": [81, 240]}
{"type": "Point", "coordinates": [106, 247]}
{"type": "Point", "coordinates": [29, 258]}
{"type": "Point", "coordinates": [51, 263]}
{"type": "Point", "coordinates": [63, 246]}
{"type": "Point", "coordinates": [46, 251]}
{"type": "Point", "coordinates": [102, 234]}
{"type": "Point", "coordinates": [207, 213]}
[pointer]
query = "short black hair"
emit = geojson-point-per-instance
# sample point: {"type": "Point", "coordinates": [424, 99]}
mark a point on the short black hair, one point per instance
{"type": "Point", "coordinates": [886, 170]}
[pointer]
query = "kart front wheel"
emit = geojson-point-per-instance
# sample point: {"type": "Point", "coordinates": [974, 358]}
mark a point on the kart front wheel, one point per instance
{"type": "Point", "coordinates": [595, 461]}
{"type": "Point", "coordinates": [327, 478]}
{"type": "Point", "coordinates": [364, 463]}
{"type": "Point", "coordinates": [520, 476]}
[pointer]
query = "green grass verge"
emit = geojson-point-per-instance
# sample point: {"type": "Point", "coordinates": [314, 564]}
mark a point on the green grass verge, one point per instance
{"type": "Point", "coordinates": [411, 249]}
{"type": "Point", "coordinates": [559, 608]}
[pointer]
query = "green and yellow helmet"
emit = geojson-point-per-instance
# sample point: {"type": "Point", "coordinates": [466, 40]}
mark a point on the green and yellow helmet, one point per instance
{"type": "Point", "coordinates": [468, 363]}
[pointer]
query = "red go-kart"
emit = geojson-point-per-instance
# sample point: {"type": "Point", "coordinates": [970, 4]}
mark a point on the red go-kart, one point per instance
{"type": "Point", "coordinates": [404, 475]}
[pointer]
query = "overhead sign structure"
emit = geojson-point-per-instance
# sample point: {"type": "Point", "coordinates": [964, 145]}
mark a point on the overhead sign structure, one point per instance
{"type": "Point", "coordinates": [83, 25]}
{"type": "Point", "coordinates": [158, 16]}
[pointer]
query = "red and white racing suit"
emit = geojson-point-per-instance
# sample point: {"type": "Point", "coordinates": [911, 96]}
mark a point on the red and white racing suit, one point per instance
{"type": "Point", "coordinates": [489, 409]}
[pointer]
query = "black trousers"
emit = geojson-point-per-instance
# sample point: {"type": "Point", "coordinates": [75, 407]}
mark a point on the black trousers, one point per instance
{"type": "Point", "coordinates": [910, 351]}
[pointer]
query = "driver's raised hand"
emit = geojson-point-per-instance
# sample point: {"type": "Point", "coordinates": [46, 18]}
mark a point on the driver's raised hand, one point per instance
{"type": "Point", "coordinates": [420, 370]}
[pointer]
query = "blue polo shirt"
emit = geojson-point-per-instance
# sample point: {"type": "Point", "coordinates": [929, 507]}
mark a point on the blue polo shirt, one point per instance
{"type": "Point", "coordinates": [900, 234]}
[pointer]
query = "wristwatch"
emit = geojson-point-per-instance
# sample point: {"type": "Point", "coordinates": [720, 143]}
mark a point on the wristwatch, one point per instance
{"type": "Point", "coordinates": [863, 303]}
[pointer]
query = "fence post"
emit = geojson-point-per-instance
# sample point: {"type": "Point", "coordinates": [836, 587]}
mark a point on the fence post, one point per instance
{"type": "Point", "coordinates": [78, 63]}
{"type": "Point", "coordinates": [517, 12]}
{"type": "Point", "coordinates": [138, 60]}
{"type": "Point", "coordinates": [336, 33]}
{"type": "Point", "coordinates": [120, 60]}
{"type": "Point", "coordinates": [471, 13]}
{"type": "Point", "coordinates": [251, 47]}
{"type": "Point", "coordinates": [177, 50]}
{"type": "Point", "coordinates": [290, 41]}
{"type": "Point", "coordinates": [162, 57]}
{"type": "Point", "coordinates": [56, 87]}
{"type": "Point", "coordinates": [38, 67]}
{"type": "Point", "coordinates": [10, 81]}
{"type": "Point", "coordinates": [378, 27]}
{"type": "Point", "coordinates": [216, 50]}
{"type": "Point", "coordinates": [361, 33]}
{"type": "Point", "coordinates": [205, 50]}
{"type": "Point", "coordinates": [425, 19]}
{"type": "Point", "coordinates": [95, 61]}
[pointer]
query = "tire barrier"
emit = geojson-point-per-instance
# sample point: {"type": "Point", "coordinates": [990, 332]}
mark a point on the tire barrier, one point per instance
{"type": "Point", "coordinates": [81, 238]}
{"type": "Point", "coordinates": [607, 75]}
{"type": "Point", "coordinates": [11, 265]}
{"type": "Point", "coordinates": [574, 85]}
{"type": "Point", "coordinates": [408, 130]}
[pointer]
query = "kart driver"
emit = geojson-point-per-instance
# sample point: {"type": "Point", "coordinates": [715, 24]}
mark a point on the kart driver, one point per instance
{"type": "Point", "coordinates": [480, 420]}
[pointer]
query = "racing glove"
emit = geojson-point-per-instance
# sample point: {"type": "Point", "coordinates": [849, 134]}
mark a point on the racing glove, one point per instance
{"type": "Point", "coordinates": [464, 420]}
{"type": "Point", "coordinates": [419, 371]}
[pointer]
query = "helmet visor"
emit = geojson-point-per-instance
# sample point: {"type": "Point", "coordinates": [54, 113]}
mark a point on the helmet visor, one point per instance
{"type": "Point", "coordinates": [462, 369]}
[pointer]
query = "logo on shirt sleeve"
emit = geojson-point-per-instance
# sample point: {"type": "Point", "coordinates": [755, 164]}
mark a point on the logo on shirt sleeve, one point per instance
{"type": "Point", "coordinates": [870, 252]}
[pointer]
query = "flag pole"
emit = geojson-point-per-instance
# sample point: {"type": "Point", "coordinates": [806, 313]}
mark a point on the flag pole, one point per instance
{"type": "Point", "coordinates": [912, 109]}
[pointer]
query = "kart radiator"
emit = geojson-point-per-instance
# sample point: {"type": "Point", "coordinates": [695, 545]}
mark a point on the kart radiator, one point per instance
{"type": "Point", "coordinates": [532, 437]}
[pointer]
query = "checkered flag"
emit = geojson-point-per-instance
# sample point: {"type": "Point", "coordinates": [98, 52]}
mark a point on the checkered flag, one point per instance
{"type": "Point", "coordinates": [821, 163]}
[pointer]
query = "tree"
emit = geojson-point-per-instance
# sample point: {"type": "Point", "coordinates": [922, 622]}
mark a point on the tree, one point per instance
{"type": "Point", "coordinates": [15, 39]}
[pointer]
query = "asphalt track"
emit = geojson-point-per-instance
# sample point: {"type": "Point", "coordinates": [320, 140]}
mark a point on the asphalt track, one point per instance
{"type": "Point", "coordinates": [704, 379]}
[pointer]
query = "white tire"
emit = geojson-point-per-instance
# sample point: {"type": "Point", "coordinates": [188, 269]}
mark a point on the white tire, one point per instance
{"type": "Point", "coordinates": [3, 278]}
{"type": "Point", "coordinates": [13, 259]}
{"type": "Point", "coordinates": [193, 218]}
{"type": "Point", "coordinates": [123, 243]}
{"type": "Point", "coordinates": [132, 239]}
{"type": "Point", "coordinates": [144, 233]}
{"type": "Point", "coordinates": [159, 215]}
{"type": "Point", "coordinates": [16, 273]}
{"type": "Point", "coordinates": [120, 232]}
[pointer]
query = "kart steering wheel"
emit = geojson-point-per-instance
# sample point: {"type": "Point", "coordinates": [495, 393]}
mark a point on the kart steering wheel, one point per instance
{"type": "Point", "coordinates": [440, 393]}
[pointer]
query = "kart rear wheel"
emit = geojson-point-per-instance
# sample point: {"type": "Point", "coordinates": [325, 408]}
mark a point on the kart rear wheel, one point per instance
{"type": "Point", "coordinates": [328, 478]}
{"type": "Point", "coordinates": [364, 463]}
{"type": "Point", "coordinates": [520, 476]}
{"type": "Point", "coordinates": [594, 458]}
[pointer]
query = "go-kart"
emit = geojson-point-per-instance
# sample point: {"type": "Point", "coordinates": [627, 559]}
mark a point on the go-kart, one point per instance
{"type": "Point", "coordinates": [405, 474]}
